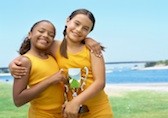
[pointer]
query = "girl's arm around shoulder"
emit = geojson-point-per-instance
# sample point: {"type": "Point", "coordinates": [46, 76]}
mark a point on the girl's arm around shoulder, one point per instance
{"type": "Point", "coordinates": [16, 69]}
{"type": "Point", "coordinates": [56, 44]}
{"type": "Point", "coordinates": [94, 46]}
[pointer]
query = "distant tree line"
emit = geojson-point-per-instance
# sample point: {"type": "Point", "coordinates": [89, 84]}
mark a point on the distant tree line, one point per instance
{"type": "Point", "coordinates": [162, 62]}
{"type": "Point", "coordinates": [4, 70]}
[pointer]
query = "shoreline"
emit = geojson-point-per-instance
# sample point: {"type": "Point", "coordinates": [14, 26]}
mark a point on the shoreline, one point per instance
{"type": "Point", "coordinates": [120, 89]}
{"type": "Point", "coordinates": [154, 68]}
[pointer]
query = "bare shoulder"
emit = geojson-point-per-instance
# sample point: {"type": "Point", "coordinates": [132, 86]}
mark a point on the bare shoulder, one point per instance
{"type": "Point", "coordinates": [94, 57]}
{"type": "Point", "coordinates": [58, 43]}
{"type": "Point", "coordinates": [25, 61]}
{"type": "Point", "coordinates": [97, 61]}
{"type": "Point", "coordinates": [55, 45]}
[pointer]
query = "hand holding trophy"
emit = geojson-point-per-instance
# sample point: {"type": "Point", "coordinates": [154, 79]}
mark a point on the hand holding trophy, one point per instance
{"type": "Point", "coordinates": [76, 83]}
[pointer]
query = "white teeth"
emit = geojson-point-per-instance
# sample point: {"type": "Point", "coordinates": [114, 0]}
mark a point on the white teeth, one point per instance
{"type": "Point", "coordinates": [42, 41]}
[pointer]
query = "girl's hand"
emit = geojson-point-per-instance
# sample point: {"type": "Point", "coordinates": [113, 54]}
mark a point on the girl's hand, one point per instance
{"type": "Point", "coordinates": [57, 77]}
{"type": "Point", "coordinates": [70, 109]}
{"type": "Point", "coordinates": [16, 69]}
{"type": "Point", "coordinates": [94, 46]}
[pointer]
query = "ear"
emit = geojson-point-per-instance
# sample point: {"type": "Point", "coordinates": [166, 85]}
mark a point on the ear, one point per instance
{"type": "Point", "coordinates": [67, 20]}
{"type": "Point", "coordinates": [29, 35]}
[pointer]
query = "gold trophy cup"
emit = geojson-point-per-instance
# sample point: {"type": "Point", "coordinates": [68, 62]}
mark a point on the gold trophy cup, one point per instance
{"type": "Point", "coordinates": [76, 83]}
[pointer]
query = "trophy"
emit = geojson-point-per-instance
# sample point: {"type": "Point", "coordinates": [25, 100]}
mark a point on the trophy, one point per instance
{"type": "Point", "coordinates": [75, 84]}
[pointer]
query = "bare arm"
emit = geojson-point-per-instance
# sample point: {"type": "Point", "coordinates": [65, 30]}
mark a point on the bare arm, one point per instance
{"type": "Point", "coordinates": [93, 45]}
{"type": "Point", "coordinates": [22, 94]}
{"type": "Point", "coordinates": [54, 48]}
{"type": "Point", "coordinates": [98, 70]}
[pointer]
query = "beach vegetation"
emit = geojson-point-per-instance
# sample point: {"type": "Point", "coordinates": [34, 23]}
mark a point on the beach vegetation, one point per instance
{"type": "Point", "coordinates": [157, 63]}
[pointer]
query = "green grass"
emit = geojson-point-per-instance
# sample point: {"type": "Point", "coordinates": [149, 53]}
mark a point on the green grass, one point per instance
{"type": "Point", "coordinates": [7, 107]}
{"type": "Point", "coordinates": [138, 104]}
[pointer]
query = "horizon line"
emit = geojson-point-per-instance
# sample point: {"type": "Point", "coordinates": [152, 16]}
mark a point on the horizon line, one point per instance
{"type": "Point", "coordinates": [127, 62]}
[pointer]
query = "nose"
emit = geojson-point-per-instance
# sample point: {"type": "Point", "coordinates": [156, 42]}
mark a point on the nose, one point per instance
{"type": "Point", "coordinates": [79, 28]}
{"type": "Point", "coordinates": [45, 34]}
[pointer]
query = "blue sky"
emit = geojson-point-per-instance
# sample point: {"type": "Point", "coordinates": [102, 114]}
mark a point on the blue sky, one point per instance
{"type": "Point", "coordinates": [131, 30]}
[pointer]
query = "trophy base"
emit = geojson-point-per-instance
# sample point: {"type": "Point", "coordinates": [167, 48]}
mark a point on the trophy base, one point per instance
{"type": "Point", "coordinates": [83, 109]}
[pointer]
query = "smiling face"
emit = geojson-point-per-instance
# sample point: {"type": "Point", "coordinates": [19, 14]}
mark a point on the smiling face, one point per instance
{"type": "Point", "coordinates": [42, 36]}
{"type": "Point", "coordinates": [78, 27]}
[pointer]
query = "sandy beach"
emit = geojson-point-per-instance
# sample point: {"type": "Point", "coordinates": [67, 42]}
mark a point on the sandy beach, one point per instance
{"type": "Point", "coordinates": [119, 89]}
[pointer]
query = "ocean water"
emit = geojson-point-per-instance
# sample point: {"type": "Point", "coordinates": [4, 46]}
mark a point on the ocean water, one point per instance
{"type": "Point", "coordinates": [6, 78]}
{"type": "Point", "coordinates": [125, 76]}
{"type": "Point", "coordinates": [137, 76]}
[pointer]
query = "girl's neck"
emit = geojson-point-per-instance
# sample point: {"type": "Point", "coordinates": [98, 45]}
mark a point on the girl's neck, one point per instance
{"type": "Point", "coordinates": [74, 47]}
{"type": "Point", "coordinates": [40, 54]}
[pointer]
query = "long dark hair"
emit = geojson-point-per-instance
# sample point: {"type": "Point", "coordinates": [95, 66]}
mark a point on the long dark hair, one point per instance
{"type": "Point", "coordinates": [26, 45]}
{"type": "Point", "coordinates": [63, 47]}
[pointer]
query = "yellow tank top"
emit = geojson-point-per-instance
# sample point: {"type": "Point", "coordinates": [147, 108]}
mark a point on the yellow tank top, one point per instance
{"type": "Point", "coordinates": [52, 98]}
